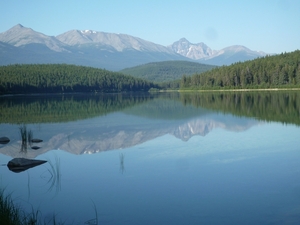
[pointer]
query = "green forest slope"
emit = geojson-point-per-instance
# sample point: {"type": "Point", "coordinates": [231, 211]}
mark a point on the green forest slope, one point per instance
{"type": "Point", "coordinates": [167, 70]}
{"type": "Point", "coordinates": [267, 72]}
{"type": "Point", "coordinates": [55, 78]}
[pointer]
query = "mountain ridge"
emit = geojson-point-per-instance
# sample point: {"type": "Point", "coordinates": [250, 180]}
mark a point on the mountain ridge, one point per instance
{"type": "Point", "coordinates": [204, 54]}
{"type": "Point", "coordinates": [106, 50]}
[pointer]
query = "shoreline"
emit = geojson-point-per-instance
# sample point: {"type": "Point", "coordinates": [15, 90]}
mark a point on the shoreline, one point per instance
{"type": "Point", "coordinates": [243, 90]}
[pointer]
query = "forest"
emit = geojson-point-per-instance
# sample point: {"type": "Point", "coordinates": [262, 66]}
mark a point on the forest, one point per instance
{"type": "Point", "coordinates": [166, 71]}
{"type": "Point", "coordinates": [277, 71]}
{"type": "Point", "coordinates": [60, 78]}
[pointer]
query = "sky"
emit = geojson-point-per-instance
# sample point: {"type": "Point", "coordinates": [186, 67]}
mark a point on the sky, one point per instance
{"type": "Point", "coordinates": [272, 26]}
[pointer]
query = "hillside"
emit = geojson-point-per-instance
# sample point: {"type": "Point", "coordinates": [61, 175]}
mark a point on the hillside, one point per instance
{"type": "Point", "coordinates": [62, 78]}
{"type": "Point", "coordinates": [167, 70]}
{"type": "Point", "coordinates": [267, 72]}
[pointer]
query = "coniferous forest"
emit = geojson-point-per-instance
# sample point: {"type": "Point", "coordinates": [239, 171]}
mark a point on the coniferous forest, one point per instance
{"type": "Point", "coordinates": [278, 71]}
{"type": "Point", "coordinates": [50, 78]}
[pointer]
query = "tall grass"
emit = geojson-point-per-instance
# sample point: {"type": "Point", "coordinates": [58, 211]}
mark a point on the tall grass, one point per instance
{"type": "Point", "coordinates": [26, 137]}
{"type": "Point", "coordinates": [29, 137]}
{"type": "Point", "coordinates": [11, 214]}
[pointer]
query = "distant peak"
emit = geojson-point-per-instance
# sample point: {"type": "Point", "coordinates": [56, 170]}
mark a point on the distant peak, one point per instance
{"type": "Point", "coordinates": [183, 40]}
{"type": "Point", "coordinates": [237, 48]}
{"type": "Point", "coordinates": [19, 26]}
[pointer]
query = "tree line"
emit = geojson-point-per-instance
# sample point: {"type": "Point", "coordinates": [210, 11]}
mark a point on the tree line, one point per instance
{"type": "Point", "coordinates": [275, 71]}
{"type": "Point", "coordinates": [53, 78]}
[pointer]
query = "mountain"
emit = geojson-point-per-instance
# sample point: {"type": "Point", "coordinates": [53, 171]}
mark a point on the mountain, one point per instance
{"type": "Point", "coordinates": [232, 54]}
{"type": "Point", "coordinates": [20, 36]}
{"type": "Point", "coordinates": [117, 42]}
{"type": "Point", "coordinates": [87, 48]}
{"type": "Point", "coordinates": [192, 51]}
{"type": "Point", "coordinates": [202, 53]}
{"type": "Point", "coordinates": [107, 50]}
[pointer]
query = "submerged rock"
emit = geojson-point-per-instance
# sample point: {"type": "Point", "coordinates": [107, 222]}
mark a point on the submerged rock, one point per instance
{"type": "Point", "coordinates": [36, 140]}
{"type": "Point", "coordinates": [21, 164]}
{"type": "Point", "coordinates": [4, 140]}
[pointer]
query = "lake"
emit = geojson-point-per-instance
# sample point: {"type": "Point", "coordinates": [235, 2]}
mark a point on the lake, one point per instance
{"type": "Point", "coordinates": [169, 158]}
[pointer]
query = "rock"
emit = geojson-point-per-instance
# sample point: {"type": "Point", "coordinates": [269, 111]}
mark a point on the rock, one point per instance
{"type": "Point", "coordinates": [21, 164]}
{"type": "Point", "coordinates": [4, 140]}
{"type": "Point", "coordinates": [36, 140]}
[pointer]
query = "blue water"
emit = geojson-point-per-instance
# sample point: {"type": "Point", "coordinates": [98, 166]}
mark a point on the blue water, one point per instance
{"type": "Point", "coordinates": [238, 171]}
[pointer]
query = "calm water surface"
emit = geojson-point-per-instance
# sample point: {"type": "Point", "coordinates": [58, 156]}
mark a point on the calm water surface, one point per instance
{"type": "Point", "coordinates": [157, 159]}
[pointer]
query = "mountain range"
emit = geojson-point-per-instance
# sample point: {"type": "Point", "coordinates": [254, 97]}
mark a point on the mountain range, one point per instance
{"type": "Point", "coordinates": [107, 50]}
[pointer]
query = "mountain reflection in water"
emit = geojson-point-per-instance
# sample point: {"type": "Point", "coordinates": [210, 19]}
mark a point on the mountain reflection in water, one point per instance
{"type": "Point", "coordinates": [117, 122]}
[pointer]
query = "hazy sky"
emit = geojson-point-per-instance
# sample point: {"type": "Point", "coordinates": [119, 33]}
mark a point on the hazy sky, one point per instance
{"type": "Point", "coordinates": [272, 26]}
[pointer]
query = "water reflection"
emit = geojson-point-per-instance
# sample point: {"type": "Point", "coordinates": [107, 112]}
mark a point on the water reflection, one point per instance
{"type": "Point", "coordinates": [114, 132]}
{"type": "Point", "coordinates": [64, 108]}
{"type": "Point", "coordinates": [145, 118]}
{"type": "Point", "coordinates": [279, 106]}
{"type": "Point", "coordinates": [122, 167]}
{"type": "Point", "coordinates": [190, 159]}
{"type": "Point", "coordinates": [54, 181]}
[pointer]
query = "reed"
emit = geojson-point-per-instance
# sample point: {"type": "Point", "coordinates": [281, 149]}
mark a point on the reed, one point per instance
{"type": "Point", "coordinates": [55, 178]}
{"type": "Point", "coordinates": [11, 214]}
{"type": "Point", "coordinates": [95, 220]}
{"type": "Point", "coordinates": [24, 139]}
{"type": "Point", "coordinates": [29, 137]}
